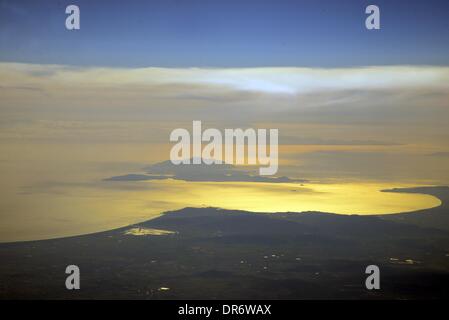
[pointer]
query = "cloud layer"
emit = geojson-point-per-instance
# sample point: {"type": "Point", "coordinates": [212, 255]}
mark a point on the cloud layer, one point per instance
{"type": "Point", "coordinates": [385, 110]}
{"type": "Point", "coordinates": [286, 80]}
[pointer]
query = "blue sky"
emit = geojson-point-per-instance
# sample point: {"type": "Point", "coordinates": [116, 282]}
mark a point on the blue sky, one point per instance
{"type": "Point", "coordinates": [192, 33]}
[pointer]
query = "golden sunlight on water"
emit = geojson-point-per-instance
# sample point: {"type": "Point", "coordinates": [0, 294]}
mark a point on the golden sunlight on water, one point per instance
{"type": "Point", "coordinates": [85, 209]}
{"type": "Point", "coordinates": [343, 198]}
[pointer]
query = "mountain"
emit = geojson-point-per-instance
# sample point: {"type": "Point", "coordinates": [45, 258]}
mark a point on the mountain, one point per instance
{"type": "Point", "coordinates": [200, 172]}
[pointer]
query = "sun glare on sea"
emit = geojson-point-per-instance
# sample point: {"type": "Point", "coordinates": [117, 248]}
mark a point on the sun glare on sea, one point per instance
{"type": "Point", "coordinates": [86, 209]}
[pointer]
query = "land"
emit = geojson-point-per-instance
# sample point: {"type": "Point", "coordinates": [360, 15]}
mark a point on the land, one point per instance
{"type": "Point", "coordinates": [212, 253]}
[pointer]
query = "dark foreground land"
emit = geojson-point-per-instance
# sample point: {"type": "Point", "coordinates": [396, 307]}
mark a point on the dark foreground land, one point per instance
{"type": "Point", "coordinates": [221, 254]}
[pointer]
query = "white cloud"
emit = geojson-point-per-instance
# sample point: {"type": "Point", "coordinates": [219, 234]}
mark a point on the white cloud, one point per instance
{"type": "Point", "coordinates": [263, 80]}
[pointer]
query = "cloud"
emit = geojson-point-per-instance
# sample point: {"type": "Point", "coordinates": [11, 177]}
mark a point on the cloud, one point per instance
{"type": "Point", "coordinates": [20, 88]}
{"type": "Point", "coordinates": [316, 141]}
{"type": "Point", "coordinates": [279, 80]}
{"type": "Point", "coordinates": [439, 154]}
{"type": "Point", "coordinates": [390, 109]}
{"type": "Point", "coordinates": [233, 95]}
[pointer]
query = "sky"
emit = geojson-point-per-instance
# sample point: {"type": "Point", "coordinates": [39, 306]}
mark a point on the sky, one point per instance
{"type": "Point", "coordinates": [232, 33]}
{"type": "Point", "coordinates": [357, 110]}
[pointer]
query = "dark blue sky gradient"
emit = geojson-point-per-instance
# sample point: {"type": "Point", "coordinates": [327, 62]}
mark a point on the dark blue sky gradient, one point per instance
{"type": "Point", "coordinates": [227, 33]}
